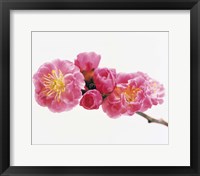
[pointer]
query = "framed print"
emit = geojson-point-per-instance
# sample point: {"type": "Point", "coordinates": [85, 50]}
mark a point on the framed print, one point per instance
{"type": "Point", "coordinates": [99, 87]}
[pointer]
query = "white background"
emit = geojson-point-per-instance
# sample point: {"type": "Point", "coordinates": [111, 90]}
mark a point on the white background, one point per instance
{"type": "Point", "coordinates": [176, 153]}
{"type": "Point", "coordinates": [126, 52]}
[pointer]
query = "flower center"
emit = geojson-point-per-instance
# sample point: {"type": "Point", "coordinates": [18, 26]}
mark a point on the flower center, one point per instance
{"type": "Point", "coordinates": [131, 93]}
{"type": "Point", "coordinates": [154, 87]}
{"type": "Point", "coordinates": [54, 84]}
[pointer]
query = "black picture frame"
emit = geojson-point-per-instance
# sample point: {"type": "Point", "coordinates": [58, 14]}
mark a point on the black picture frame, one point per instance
{"type": "Point", "coordinates": [7, 5]}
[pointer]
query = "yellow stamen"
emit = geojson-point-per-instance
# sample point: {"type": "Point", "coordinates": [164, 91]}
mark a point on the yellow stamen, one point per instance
{"type": "Point", "coordinates": [54, 84]}
{"type": "Point", "coordinates": [131, 93]}
{"type": "Point", "coordinates": [154, 87]}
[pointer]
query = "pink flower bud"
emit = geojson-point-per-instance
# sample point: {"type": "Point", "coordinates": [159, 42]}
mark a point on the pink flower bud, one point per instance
{"type": "Point", "coordinates": [104, 80]}
{"type": "Point", "coordinates": [87, 63]}
{"type": "Point", "coordinates": [92, 99]}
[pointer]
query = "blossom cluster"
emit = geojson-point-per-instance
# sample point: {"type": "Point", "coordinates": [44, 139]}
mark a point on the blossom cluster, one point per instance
{"type": "Point", "coordinates": [60, 85]}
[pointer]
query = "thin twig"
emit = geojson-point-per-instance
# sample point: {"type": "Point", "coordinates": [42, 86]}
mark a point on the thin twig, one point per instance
{"type": "Point", "coordinates": [152, 120]}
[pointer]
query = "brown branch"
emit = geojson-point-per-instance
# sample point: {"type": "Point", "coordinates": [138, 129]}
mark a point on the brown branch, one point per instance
{"type": "Point", "coordinates": [152, 120]}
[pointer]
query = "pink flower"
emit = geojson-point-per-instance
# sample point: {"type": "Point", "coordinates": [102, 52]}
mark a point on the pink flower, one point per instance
{"type": "Point", "coordinates": [58, 85]}
{"type": "Point", "coordinates": [129, 96]}
{"type": "Point", "coordinates": [135, 95]}
{"type": "Point", "coordinates": [104, 80]}
{"type": "Point", "coordinates": [156, 89]}
{"type": "Point", "coordinates": [157, 92]}
{"type": "Point", "coordinates": [92, 99]}
{"type": "Point", "coordinates": [87, 62]}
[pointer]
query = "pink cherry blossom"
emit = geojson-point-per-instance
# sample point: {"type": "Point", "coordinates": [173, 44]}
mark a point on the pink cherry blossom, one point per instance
{"type": "Point", "coordinates": [58, 85]}
{"type": "Point", "coordinates": [129, 96]}
{"type": "Point", "coordinates": [92, 99]}
{"type": "Point", "coordinates": [104, 80]}
{"type": "Point", "coordinates": [157, 90]}
{"type": "Point", "coordinates": [136, 95]}
{"type": "Point", "coordinates": [87, 62]}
